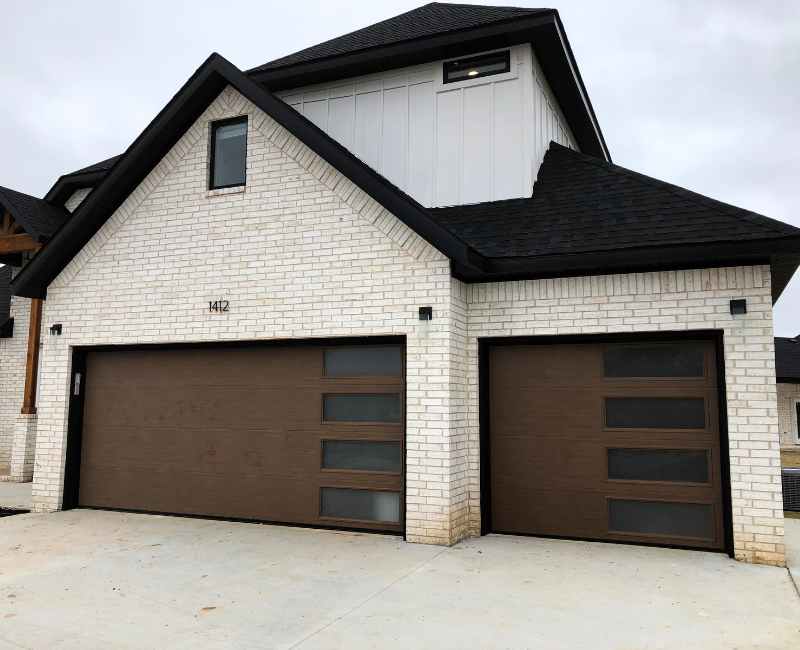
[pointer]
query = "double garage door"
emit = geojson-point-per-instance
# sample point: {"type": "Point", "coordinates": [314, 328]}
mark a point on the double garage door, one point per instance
{"type": "Point", "coordinates": [309, 434]}
{"type": "Point", "coordinates": [609, 442]}
{"type": "Point", "coordinates": [612, 442]}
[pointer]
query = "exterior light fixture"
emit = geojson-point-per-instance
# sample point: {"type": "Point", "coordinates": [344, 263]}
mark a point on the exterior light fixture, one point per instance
{"type": "Point", "coordinates": [55, 332]}
{"type": "Point", "coordinates": [738, 306]}
{"type": "Point", "coordinates": [425, 317]}
{"type": "Point", "coordinates": [472, 73]}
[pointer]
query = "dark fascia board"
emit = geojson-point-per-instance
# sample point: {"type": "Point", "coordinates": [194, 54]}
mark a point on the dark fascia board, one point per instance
{"type": "Point", "coordinates": [640, 260]}
{"type": "Point", "coordinates": [543, 30]}
{"type": "Point", "coordinates": [170, 125]}
{"type": "Point", "coordinates": [66, 186]}
{"type": "Point", "coordinates": [788, 380]}
{"type": "Point", "coordinates": [34, 234]}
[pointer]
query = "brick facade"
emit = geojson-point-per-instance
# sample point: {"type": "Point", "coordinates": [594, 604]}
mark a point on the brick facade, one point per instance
{"type": "Point", "coordinates": [788, 394]}
{"type": "Point", "coordinates": [301, 252]}
{"type": "Point", "coordinates": [13, 353]}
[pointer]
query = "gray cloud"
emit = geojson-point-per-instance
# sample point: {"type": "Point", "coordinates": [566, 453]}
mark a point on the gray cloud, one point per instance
{"type": "Point", "coordinates": [705, 95]}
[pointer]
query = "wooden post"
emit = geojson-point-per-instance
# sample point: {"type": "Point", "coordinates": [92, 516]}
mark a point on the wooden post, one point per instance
{"type": "Point", "coordinates": [32, 365]}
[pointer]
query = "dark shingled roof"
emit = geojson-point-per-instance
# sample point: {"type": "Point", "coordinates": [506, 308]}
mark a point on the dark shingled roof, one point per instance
{"type": "Point", "coordinates": [582, 204]}
{"type": "Point", "coordinates": [433, 18]}
{"type": "Point", "coordinates": [5, 293]}
{"type": "Point", "coordinates": [102, 166]}
{"type": "Point", "coordinates": [39, 219]}
{"type": "Point", "coordinates": [787, 359]}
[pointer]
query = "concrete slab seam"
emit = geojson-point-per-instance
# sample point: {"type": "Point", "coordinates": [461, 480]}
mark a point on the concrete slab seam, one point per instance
{"type": "Point", "coordinates": [373, 596]}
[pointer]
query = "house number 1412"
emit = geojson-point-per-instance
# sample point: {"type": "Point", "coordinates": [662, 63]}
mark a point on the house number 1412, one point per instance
{"type": "Point", "coordinates": [218, 305]}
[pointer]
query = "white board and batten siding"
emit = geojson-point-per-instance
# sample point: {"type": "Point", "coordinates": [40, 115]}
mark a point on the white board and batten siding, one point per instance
{"type": "Point", "coordinates": [444, 144]}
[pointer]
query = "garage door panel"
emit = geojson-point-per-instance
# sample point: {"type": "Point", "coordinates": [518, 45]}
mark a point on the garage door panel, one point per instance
{"type": "Point", "coordinates": [553, 422]}
{"type": "Point", "coordinates": [230, 433]}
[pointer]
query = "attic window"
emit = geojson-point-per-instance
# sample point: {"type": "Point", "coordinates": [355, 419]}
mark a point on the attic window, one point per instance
{"type": "Point", "coordinates": [477, 66]}
{"type": "Point", "coordinates": [228, 153]}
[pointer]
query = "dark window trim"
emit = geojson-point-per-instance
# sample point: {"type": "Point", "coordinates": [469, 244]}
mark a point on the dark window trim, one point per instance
{"type": "Point", "coordinates": [476, 60]}
{"type": "Point", "coordinates": [484, 350]}
{"type": "Point", "coordinates": [212, 153]}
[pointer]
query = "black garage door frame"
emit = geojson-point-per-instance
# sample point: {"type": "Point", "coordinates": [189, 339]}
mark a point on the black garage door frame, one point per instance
{"type": "Point", "coordinates": [484, 347]}
{"type": "Point", "coordinates": [72, 465]}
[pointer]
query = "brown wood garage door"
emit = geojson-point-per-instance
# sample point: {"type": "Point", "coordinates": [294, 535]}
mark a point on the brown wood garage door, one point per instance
{"type": "Point", "coordinates": [609, 442]}
{"type": "Point", "coordinates": [307, 435]}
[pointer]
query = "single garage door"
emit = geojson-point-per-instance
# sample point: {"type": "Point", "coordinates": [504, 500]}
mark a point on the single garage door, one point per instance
{"type": "Point", "coordinates": [307, 435]}
{"type": "Point", "coordinates": [608, 442]}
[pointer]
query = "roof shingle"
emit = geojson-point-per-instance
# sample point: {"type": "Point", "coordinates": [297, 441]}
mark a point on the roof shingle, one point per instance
{"type": "Point", "coordinates": [37, 216]}
{"type": "Point", "coordinates": [787, 358]}
{"type": "Point", "coordinates": [431, 19]}
{"type": "Point", "coordinates": [581, 204]}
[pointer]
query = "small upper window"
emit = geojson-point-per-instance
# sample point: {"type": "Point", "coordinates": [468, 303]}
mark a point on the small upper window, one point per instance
{"type": "Point", "coordinates": [478, 66]}
{"type": "Point", "coordinates": [228, 153]}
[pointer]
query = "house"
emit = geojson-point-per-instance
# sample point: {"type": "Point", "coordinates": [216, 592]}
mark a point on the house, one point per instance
{"type": "Point", "coordinates": [394, 282]}
{"type": "Point", "coordinates": [787, 372]}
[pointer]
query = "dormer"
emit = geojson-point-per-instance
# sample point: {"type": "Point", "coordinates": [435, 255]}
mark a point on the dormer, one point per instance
{"type": "Point", "coordinates": [454, 104]}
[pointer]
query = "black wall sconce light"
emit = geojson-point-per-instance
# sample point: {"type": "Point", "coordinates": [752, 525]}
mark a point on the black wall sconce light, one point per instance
{"type": "Point", "coordinates": [426, 313]}
{"type": "Point", "coordinates": [738, 307]}
{"type": "Point", "coordinates": [55, 332]}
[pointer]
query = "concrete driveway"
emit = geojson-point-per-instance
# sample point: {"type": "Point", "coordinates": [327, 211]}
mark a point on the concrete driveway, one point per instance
{"type": "Point", "coordinates": [89, 579]}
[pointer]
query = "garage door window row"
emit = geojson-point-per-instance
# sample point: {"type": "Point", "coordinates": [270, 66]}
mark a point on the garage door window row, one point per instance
{"type": "Point", "coordinates": [353, 368]}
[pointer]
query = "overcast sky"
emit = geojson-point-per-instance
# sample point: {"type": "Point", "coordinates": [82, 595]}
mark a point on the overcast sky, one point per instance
{"type": "Point", "coordinates": [701, 93]}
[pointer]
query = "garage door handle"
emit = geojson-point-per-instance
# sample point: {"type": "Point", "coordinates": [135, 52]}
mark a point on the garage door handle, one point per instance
{"type": "Point", "coordinates": [77, 384]}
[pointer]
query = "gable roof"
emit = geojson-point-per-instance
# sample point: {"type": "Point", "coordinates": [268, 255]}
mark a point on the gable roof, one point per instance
{"type": "Point", "coordinates": [89, 176]}
{"type": "Point", "coordinates": [39, 219]}
{"type": "Point", "coordinates": [586, 210]}
{"type": "Point", "coordinates": [787, 359]}
{"type": "Point", "coordinates": [586, 216]}
{"type": "Point", "coordinates": [439, 31]}
{"type": "Point", "coordinates": [168, 127]}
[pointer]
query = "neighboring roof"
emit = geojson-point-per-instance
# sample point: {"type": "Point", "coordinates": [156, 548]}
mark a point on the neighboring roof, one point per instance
{"type": "Point", "coordinates": [5, 293]}
{"type": "Point", "coordinates": [89, 176]}
{"type": "Point", "coordinates": [787, 359]}
{"type": "Point", "coordinates": [431, 19]}
{"type": "Point", "coordinates": [102, 166]}
{"type": "Point", "coordinates": [586, 211]}
{"type": "Point", "coordinates": [39, 219]}
{"type": "Point", "coordinates": [444, 31]}
{"type": "Point", "coordinates": [586, 216]}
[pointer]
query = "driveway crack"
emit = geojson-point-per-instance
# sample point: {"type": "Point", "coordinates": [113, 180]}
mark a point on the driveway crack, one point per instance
{"type": "Point", "coordinates": [372, 597]}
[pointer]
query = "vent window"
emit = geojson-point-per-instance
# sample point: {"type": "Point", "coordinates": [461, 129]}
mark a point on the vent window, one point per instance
{"type": "Point", "coordinates": [477, 66]}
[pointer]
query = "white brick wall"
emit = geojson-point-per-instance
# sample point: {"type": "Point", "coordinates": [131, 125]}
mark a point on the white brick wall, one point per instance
{"type": "Point", "coordinates": [787, 394]}
{"type": "Point", "coordinates": [13, 353]}
{"type": "Point", "coordinates": [301, 253]}
{"type": "Point", "coordinates": [77, 198]}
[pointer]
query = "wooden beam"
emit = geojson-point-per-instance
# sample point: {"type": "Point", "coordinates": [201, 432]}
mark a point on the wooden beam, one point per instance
{"type": "Point", "coordinates": [18, 244]}
{"type": "Point", "coordinates": [32, 362]}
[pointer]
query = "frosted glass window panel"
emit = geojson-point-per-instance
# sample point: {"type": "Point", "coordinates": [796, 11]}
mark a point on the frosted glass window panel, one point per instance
{"type": "Point", "coordinates": [660, 518]}
{"type": "Point", "coordinates": [655, 413]}
{"type": "Point", "coordinates": [363, 361]}
{"type": "Point", "coordinates": [678, 465]}
{"type": "Point", "coordinates": [673, 361]}
{"type": "Point", "coordinates": [368, 505]}
{"type": "Point", "coordinates": [361, 455]}
{"type": "Point", "coordinates": [379, 408]}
